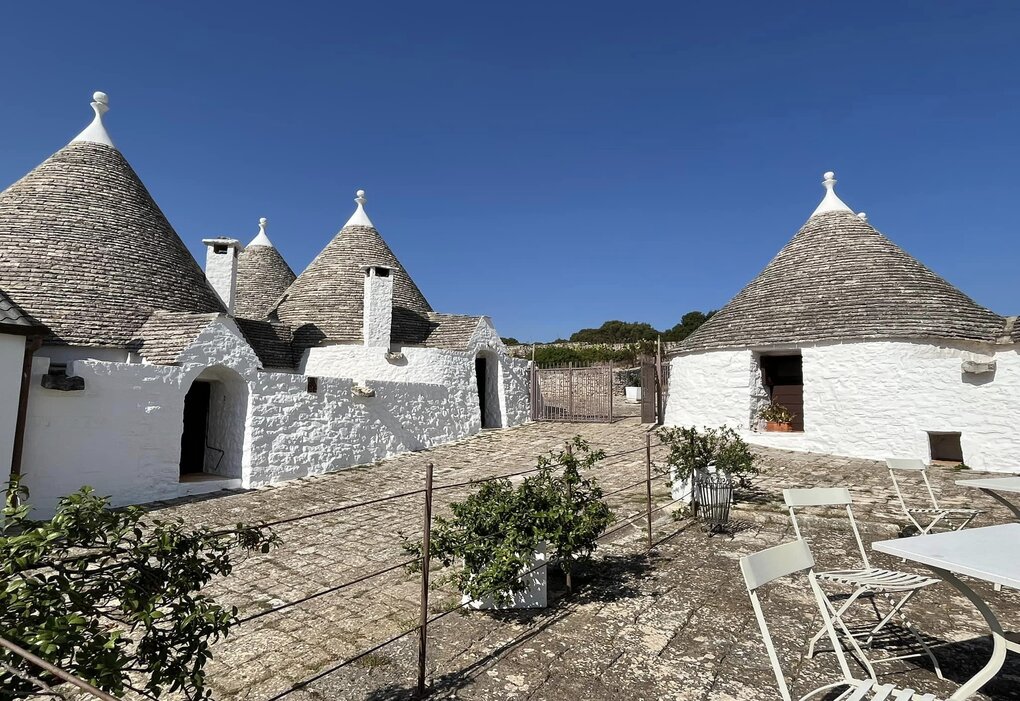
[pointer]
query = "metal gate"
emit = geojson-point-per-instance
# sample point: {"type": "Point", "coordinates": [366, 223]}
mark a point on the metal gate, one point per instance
{"type": "Point", "coordinates": [572, 392]}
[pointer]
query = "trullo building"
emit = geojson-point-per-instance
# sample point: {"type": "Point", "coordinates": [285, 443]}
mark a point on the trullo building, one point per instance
{"type": "Point", "coordinates": [149, 377]}
{"type": "Point", "coordinates": [875, 354]}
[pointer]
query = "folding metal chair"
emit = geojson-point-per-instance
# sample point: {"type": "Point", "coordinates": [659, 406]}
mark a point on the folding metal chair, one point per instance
{"type": "Point", "coordinates": [935, 513]}
{"type": "Point", "coordinates": [866, 581]}
{"type": "Point", "coordinates": [769, 565]}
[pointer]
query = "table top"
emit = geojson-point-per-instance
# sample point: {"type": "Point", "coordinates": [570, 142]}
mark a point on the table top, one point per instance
{"type": "Point", "coordinates": [991, 553]}
{"type": "Point", "coordinates": [996, 484]}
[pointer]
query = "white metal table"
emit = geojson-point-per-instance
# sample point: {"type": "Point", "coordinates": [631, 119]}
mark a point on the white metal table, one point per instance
{"type": "Point", "coordinates": [991, 554]}
{"type": "Point", "coordinates": [992, 487]}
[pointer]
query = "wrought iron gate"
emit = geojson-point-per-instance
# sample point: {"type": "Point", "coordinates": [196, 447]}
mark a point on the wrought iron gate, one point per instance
{"type": "Point", "coordinates": [572, 392]}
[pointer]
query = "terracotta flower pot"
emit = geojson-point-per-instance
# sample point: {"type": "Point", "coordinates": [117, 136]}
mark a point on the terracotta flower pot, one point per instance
{"type": "Point", "coordinates": [778, 426]}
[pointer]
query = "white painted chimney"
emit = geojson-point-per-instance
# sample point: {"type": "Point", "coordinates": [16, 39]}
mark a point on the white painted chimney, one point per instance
{"type": "Point", "coordinates": [378, 313]}
{"type": "Point", "coordinates": [221, 268]}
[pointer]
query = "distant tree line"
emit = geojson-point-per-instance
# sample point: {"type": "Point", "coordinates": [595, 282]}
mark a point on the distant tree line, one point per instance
{"type": "Point", "coordinates": [639, 336]}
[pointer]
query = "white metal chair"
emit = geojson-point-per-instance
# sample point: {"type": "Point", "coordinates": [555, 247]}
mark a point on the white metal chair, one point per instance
{"type": "Point", "coordinates": [766, 566]}
{"type": "Point", "coordinates": [864, 580]}
{"type": "Point", "coordinates": [935, 514]}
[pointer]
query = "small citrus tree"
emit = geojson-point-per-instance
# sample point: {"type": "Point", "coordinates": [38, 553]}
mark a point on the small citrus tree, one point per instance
{"type": "Point", "coordinates": [112, 597]}
{"type": "Point", "coordinates": [494, 533]}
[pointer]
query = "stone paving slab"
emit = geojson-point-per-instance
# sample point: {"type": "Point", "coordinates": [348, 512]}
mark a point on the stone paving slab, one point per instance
{"type": "Point", "coordinates": [673, 625]}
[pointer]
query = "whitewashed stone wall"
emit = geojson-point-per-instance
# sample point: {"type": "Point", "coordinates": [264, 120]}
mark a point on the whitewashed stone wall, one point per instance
{"type": "Point", "coordinates": [867, 399]}
{"type": "Point", "coordinates": [121, 434]}
{"type": "Point", "coordinates": [12, 356]}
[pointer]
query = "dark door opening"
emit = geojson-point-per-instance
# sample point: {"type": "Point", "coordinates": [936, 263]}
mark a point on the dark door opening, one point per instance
{"type": "Point", "coordinates": [945, 446]}
{"type": "Point", "coordinates": [783, 376]}
{"type": "Point", "coordinates": [481, 374]}
{"type": "Point", "coordinates": [196, 424]}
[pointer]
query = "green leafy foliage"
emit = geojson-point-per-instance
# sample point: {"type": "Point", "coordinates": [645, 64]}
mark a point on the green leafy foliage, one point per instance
{"type": "Point", "coordinates": [492, 535]}
{"type": "Point", "coordinates": [691, 450]}
{"type": "Point", "coordinates": [776, 413]}
{"type": "Point", "coordinates": [616, 332]}
{"type": "Point", "coordinates": [112, 597]}
{"type": "Point", "coordinates": [510, 341]}
{"type": "Point", "coordinates": [689, 323]}
{"type": "Point", "coordinates": [559, 355]}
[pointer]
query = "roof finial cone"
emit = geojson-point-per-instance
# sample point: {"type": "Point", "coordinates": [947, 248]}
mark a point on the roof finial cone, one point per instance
{"type": "Point", "coordinates": [830, 203]}
{"type": "Point", "coordinates": [96, 131]}
{"type": "Point", "coordinates": [261, 239]}
{"type": "Point", "coordinates": [360, 217]}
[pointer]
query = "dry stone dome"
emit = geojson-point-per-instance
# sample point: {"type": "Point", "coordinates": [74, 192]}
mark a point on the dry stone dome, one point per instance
{"type": "Point", "coordinates": [86, 250]}
{"type": "Point", "coordinates": [840, 279]}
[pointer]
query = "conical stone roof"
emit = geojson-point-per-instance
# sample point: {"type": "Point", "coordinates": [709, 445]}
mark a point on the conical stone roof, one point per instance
{"type": "Point", "coordinates": [86, 250]}
{"type": "Point", "coordinates": [262, 277]}
{"type": "Point", "coordinates": [840, 279]}
{"type": "Point", "coordinates": [324, 305]}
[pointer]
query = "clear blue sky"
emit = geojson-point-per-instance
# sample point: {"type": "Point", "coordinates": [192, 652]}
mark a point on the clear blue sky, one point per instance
{"type": "Point", "coordinates": [552, 165]}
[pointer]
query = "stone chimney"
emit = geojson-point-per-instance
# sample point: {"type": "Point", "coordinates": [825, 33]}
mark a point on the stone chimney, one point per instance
{"type": "Point", "coordinates": [221, 268]}
{"type": "Point", "coordinates": [378, 313]}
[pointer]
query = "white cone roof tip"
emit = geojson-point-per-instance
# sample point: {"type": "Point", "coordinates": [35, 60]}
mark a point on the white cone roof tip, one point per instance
{"type": "Point", "coordinates": [360, 218]}
{"type": "Point", "coordinates": [261, 239]}
{"type": "Point", "coordinates": [96, 131]}
{"type": "Point", "coordinates": [830, 203]}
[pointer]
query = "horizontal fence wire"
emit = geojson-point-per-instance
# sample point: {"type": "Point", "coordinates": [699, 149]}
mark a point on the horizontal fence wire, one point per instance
{"type": "Point", "coordinates": [330, 590]}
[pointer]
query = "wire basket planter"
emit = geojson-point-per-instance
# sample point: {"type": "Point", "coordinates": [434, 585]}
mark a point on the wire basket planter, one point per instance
{"type": "Point", "coordinates": [714, 495]}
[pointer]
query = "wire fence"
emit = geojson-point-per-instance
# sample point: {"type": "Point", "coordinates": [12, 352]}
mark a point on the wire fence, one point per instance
{"type": "Point", "coordinates": [423, 562]}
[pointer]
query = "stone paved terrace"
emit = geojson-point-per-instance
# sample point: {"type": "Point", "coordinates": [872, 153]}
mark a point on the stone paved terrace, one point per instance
{"type": "Point", "coordinates": [674, 623]}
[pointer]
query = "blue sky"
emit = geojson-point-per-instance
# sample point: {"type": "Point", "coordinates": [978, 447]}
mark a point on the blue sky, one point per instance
{"type": "Point", "coordinates": [552, 165]}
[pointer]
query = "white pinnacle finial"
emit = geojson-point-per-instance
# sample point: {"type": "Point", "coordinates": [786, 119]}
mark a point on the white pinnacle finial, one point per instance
{"type": "Point", "coordinates": [96, 132]}
{"type": "Point", "coordinates": [863, 216]}
{"type": "Point", "coordinates": [360, 218]}
{"type": "Point", "coordinates": [261, 239]}
{"type": "Point", "coordinates": [830, 203]}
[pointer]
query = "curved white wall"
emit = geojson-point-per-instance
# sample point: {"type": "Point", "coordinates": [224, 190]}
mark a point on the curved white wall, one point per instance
{"type": "Point", "coordinates": [867, 399]}
{"type": "Point", "coordinates": [12, 357]}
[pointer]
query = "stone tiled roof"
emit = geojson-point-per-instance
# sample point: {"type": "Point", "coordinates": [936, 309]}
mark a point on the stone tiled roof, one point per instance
{"type": "Point", "coordinates": [262, 278]}
{"type": "Point", "coordinates": [165, 335]}
{"type": "Point", "coordinates": [86, 250]}
{"type": "Point", "coordinates": [451, 331]}
{"type": "Point", "coordinates": [325, 301]}
{"type": "Point", "coordinates": [13, 319]}
{"type": "Point", "coordinates": [271, 342]}
{"type": "Point", "coordinates": [840, 279]}
{"type": "Point", "coordinates": [1014, 322]}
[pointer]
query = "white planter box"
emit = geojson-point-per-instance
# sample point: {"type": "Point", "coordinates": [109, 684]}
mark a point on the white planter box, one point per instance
{"type": "Point", "coordinates": [633, 394]}
{"type": "Point", "coordinates": [535, 596]}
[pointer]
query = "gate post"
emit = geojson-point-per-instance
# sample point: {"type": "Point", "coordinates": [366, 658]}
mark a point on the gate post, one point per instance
{"type": "Point", "coordinates": [612, 389]}
{"type": "Point", "coordinates": [570, 391]}
{"type": "Point", "coordinates": [423, 614]}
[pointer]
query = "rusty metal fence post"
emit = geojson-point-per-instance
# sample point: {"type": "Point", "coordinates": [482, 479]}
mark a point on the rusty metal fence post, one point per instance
{"type": "Point", "coordinates": [648, 485]}
{"type": "Point", "coordinates": [423, 615]}
{"type": "Point", "coordinates": [570, 391]}
{"type": "Point", "coordinates": [612, 388]}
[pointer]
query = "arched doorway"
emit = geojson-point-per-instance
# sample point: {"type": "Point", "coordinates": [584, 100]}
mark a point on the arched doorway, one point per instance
{"type": "Point", "coordinates": [215, 413]}
{"type": "Point", "coordinates": [487, 378]}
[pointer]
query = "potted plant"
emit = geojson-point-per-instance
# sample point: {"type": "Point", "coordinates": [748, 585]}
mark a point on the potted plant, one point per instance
{"type": "Point", "coordinates": [633, 388]}
{"type": "Point", "coordinates": [496, 544]}
{"type": "Point", "coordinates": [776, 417]}
{"type": "Point", "coordinates": [694, 454]}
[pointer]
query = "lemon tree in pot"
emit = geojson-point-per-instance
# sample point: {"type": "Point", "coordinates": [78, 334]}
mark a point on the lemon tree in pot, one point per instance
{"type": "Point", "coordinates": [495, 544]}
{"type": "Point", "coordinates": [776, 417]}
{"type": "Point", "coordinates": [694, 454]}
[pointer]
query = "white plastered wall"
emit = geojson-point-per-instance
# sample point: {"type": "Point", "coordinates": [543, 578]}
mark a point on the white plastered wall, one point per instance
{"type": "Point", "coordinates": [121, 434]}
{"type": "Point", "coordinates": [867, 399]}
{"type": "Point", "coordinates": [12, 357]}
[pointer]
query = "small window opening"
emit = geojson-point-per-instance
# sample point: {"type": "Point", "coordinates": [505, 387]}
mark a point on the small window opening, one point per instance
{"type": "Point", "coordinates": [945, 446]}
{"type": "Point", "coordinates": [382, 272]}
{"type": "Point", "coordinates": [57, 370]}
{"type": "Point", "coordinates": [219, 248]}
{"type": "Point", "coordinates": [313, 385]}
{"type": "Point", "coordinates": [783, 377]}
